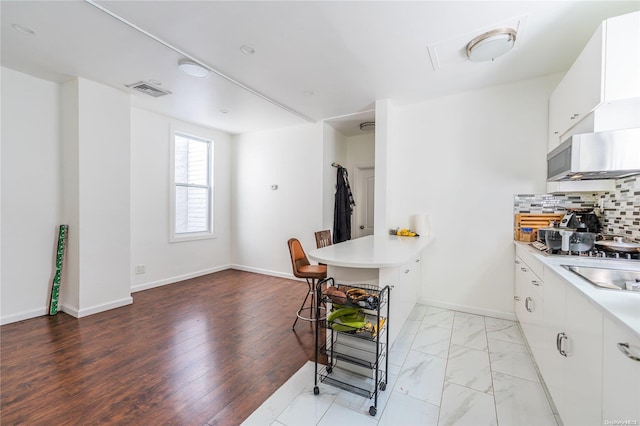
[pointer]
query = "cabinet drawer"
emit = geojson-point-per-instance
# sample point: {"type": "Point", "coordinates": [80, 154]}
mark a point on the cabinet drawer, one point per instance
{"type": "Point", "coordinates": [530, 261]}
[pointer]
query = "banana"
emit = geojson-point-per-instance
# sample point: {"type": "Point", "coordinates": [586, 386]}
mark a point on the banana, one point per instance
{"type": "Point", "coordinates": [341, 312]}
{"type": "Point", "coordinates": [346, 319]}
{"type": "Point", "coordinates": [355, 292]}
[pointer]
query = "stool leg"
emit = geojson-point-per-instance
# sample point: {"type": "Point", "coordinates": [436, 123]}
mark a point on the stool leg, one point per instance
{"type": "Point", "coordinates": [313, 298]}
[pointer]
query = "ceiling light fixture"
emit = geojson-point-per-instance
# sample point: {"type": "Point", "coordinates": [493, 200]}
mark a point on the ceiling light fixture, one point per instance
{"type": "Point", "coordinates": [193, 69]}
{"type": "Point", "coordinates": [368, 125]}
{"type": "Point", "coordinates": [491, 44]}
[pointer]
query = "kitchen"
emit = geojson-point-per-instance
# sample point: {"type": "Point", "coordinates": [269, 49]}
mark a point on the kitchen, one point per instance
{"type": "Point", "coordinates": [462, 165]}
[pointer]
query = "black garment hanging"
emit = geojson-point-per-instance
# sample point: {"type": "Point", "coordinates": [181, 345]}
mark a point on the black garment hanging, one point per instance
{"type": "Point", "coordinates": [342, 208]}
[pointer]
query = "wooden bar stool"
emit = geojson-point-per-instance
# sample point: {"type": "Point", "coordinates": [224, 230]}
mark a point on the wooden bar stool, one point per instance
{"type": "Point", "coordinates": [323, 238]}
{"type": "Point", "coordinates": [303, 269]}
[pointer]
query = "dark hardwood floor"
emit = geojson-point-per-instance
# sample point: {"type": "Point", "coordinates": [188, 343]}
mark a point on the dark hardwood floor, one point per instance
{"type": "Point", "coordinates": [206, 351]}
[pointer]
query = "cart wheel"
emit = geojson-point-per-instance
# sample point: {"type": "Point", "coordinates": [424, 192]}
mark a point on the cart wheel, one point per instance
{"type": "Point", "coordinates": [383, 386]}
{"type": "Point", "coordinates": [316, 390]}
{"type": "Point", "coordinates": [372, 410]}
{"type": "Point", "coordinates": [329, 370]}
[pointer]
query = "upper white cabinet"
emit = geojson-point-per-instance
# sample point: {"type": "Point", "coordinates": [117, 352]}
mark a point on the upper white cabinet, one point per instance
{"type": "Point", "coordinates": [607, 71]}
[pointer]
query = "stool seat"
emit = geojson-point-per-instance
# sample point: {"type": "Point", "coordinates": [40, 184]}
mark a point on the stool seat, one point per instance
{"type": "Point", "coordinates": [318, 272]}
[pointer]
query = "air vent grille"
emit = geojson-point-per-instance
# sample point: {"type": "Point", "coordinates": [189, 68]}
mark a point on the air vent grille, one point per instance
{"type": "Point", "coordinates": [148, 89]}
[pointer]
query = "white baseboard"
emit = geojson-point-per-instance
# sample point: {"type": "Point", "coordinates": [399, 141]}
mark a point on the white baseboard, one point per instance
{"type": "Point", "coordinates": [172, 280]}
{"type": "Point", "coordinates": [25, 315]}
{"type": "Point", "coordinates": [73, 311]}
{"type": "Point", "coordinates": [265, 272]}
{"type": "Point", "coordinates": [469, 309]}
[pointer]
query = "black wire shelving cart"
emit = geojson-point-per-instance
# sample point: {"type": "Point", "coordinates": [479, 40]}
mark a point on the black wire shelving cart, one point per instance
{"type": "Point", "coordinates": [357, 338]}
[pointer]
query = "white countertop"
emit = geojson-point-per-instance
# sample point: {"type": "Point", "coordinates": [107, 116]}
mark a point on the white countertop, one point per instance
{"type": "Point", "coordinates": [373, 251]}
{"type": "Point", "coordinates": [622, 307]}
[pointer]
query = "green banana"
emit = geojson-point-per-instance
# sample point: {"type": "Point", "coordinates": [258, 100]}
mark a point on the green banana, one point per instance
{"type": "Point", "coordinates": [337, 313]}
{"type": "Point", "coordinates": [349, 322]}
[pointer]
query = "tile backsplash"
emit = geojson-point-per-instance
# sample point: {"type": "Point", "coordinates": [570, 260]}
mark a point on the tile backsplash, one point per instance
{"type": "Point", "coordinates": [619, 210]}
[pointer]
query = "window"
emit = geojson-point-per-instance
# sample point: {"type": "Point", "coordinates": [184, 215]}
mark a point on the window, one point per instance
{"type": "Point", "coordinates": [192, 216]}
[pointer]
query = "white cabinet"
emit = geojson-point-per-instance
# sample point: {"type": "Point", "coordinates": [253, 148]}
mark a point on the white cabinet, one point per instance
{"type": "Point", "coordinates": [605, 71]}
{"type": "Point", "coordinates": [528, 301]}
{"type": "Point", "coordinates": [621, 376]}
{"type": "Point", "coordinates": [571, 356]}
{"type": "Point", "coordinates": [405, 288]}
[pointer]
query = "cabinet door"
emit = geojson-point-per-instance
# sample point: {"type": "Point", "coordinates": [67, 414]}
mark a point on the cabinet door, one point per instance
{"type": "Point", "coordinates": [406, 281]}
{"type": "Point", "coordinates": [552, 362]}
{"type": "Point", "coordinates": [528, 305]}
{"type": "Point", "coordinates": [583, 385]}
{"type": "Point", "coordinates": [621, 376]}
{"type": "Point", "coordinates": [622, 57]}
{"type": "Point", "coordinates": [579, 92]}
{"type": "Point", "coordinates": [520, 292]}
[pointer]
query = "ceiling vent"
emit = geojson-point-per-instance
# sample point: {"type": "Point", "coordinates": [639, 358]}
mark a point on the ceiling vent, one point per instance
{"type": "Point", "coordinates": [148, 89]}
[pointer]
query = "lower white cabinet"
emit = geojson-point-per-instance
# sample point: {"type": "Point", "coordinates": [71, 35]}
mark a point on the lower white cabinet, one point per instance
{"type": "Point", "coordinates": [407, 278]}
{"type": "Point", "coordinates": [528, 302]}
{"type": "Point", "coordinates": [570, 358]}
{"type": "Point", "coordinates": [621, 376]}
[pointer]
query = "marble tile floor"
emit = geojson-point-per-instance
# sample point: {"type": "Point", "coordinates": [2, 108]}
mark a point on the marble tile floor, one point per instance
{"type": "Point", "coordinates": [445, 368]}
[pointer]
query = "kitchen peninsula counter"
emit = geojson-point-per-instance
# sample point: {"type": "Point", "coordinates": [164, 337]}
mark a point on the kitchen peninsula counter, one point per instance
{"type": "Point", "coordinates": [379, 260]}
{"type": "Point", "coordinates": [373, 251]}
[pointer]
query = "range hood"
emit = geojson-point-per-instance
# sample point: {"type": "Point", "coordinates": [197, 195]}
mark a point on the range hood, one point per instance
{"type": "Point", "coordinates": [604, 155]}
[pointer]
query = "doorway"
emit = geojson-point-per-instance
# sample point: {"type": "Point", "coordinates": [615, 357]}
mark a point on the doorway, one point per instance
{"type": "Point", "coordinates": [364, 197]}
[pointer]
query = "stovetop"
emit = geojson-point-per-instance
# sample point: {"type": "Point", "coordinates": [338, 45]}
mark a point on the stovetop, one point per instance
{"type": "Point", "coordinates": [601, 254]}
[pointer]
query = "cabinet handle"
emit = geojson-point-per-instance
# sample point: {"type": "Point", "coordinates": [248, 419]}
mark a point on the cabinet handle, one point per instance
{"type": "Point", "coordinates": [517, 262]}
{"type": "Point", "coordinates": [523, 269]}
{"type": "Point", "coordinates": [536, 283]}
{"type": "Point", "coordinates": [406, 271]}
{"type": "Point", "coordinates": [559, 338]}
{"type": "Point", "coordinates": [526, 304]}
{"type": "Point", "coordinates": [624, 348]}
{"type": "Point", "coordinates": [417, 260]}
{"type": "Point", "coordinates": [516, 298]}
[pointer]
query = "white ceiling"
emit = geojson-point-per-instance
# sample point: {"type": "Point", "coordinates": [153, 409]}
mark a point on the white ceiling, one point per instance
{"type": "Point", "coordinates": [318, 60]}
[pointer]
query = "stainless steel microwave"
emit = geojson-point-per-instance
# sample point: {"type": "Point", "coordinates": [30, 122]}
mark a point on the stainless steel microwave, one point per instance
{"type": "Point", "coordinates": [603, 155]}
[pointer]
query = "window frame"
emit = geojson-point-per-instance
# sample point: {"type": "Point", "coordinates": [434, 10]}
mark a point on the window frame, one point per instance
{"type": "Point", "coordinates": [189, 236]}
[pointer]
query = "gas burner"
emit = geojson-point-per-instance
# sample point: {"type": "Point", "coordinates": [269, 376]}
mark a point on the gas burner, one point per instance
{"type": "Point", "coordinates": [599, 254]}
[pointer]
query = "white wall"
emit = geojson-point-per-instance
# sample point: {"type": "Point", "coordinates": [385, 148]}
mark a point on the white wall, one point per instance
{"type": "Point", "coordinates": [264, 219]}
{"type": "Point", "coordinates": [31, 193]}
{"type": "Point", "coordinates": [96, 200]}
{"type": "Point", "coordinates": [334, 151]}
{"type": "Point", "coordinates": [167, 262]}
{"type": "Point", "coordinates": [361, 150]}
{"type": "Point", "coordinates": [461, 159]}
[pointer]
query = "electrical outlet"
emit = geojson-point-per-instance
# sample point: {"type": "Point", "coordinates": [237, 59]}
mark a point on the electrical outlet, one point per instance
{"type": "Point", "coordinates": [140, 269]}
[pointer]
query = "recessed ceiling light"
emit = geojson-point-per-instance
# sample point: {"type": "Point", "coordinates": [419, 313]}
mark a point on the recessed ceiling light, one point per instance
{"type": "Point", "coordinates": [224, 111]}
{"type": "Point", "coordinates": [491, 44]}
{"type": "Point", "coordinates": [193, 69]}
{"type": "Point", "coordinates": [247, 50]}
{"type": "Point", "coordinates": [23, 29]}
